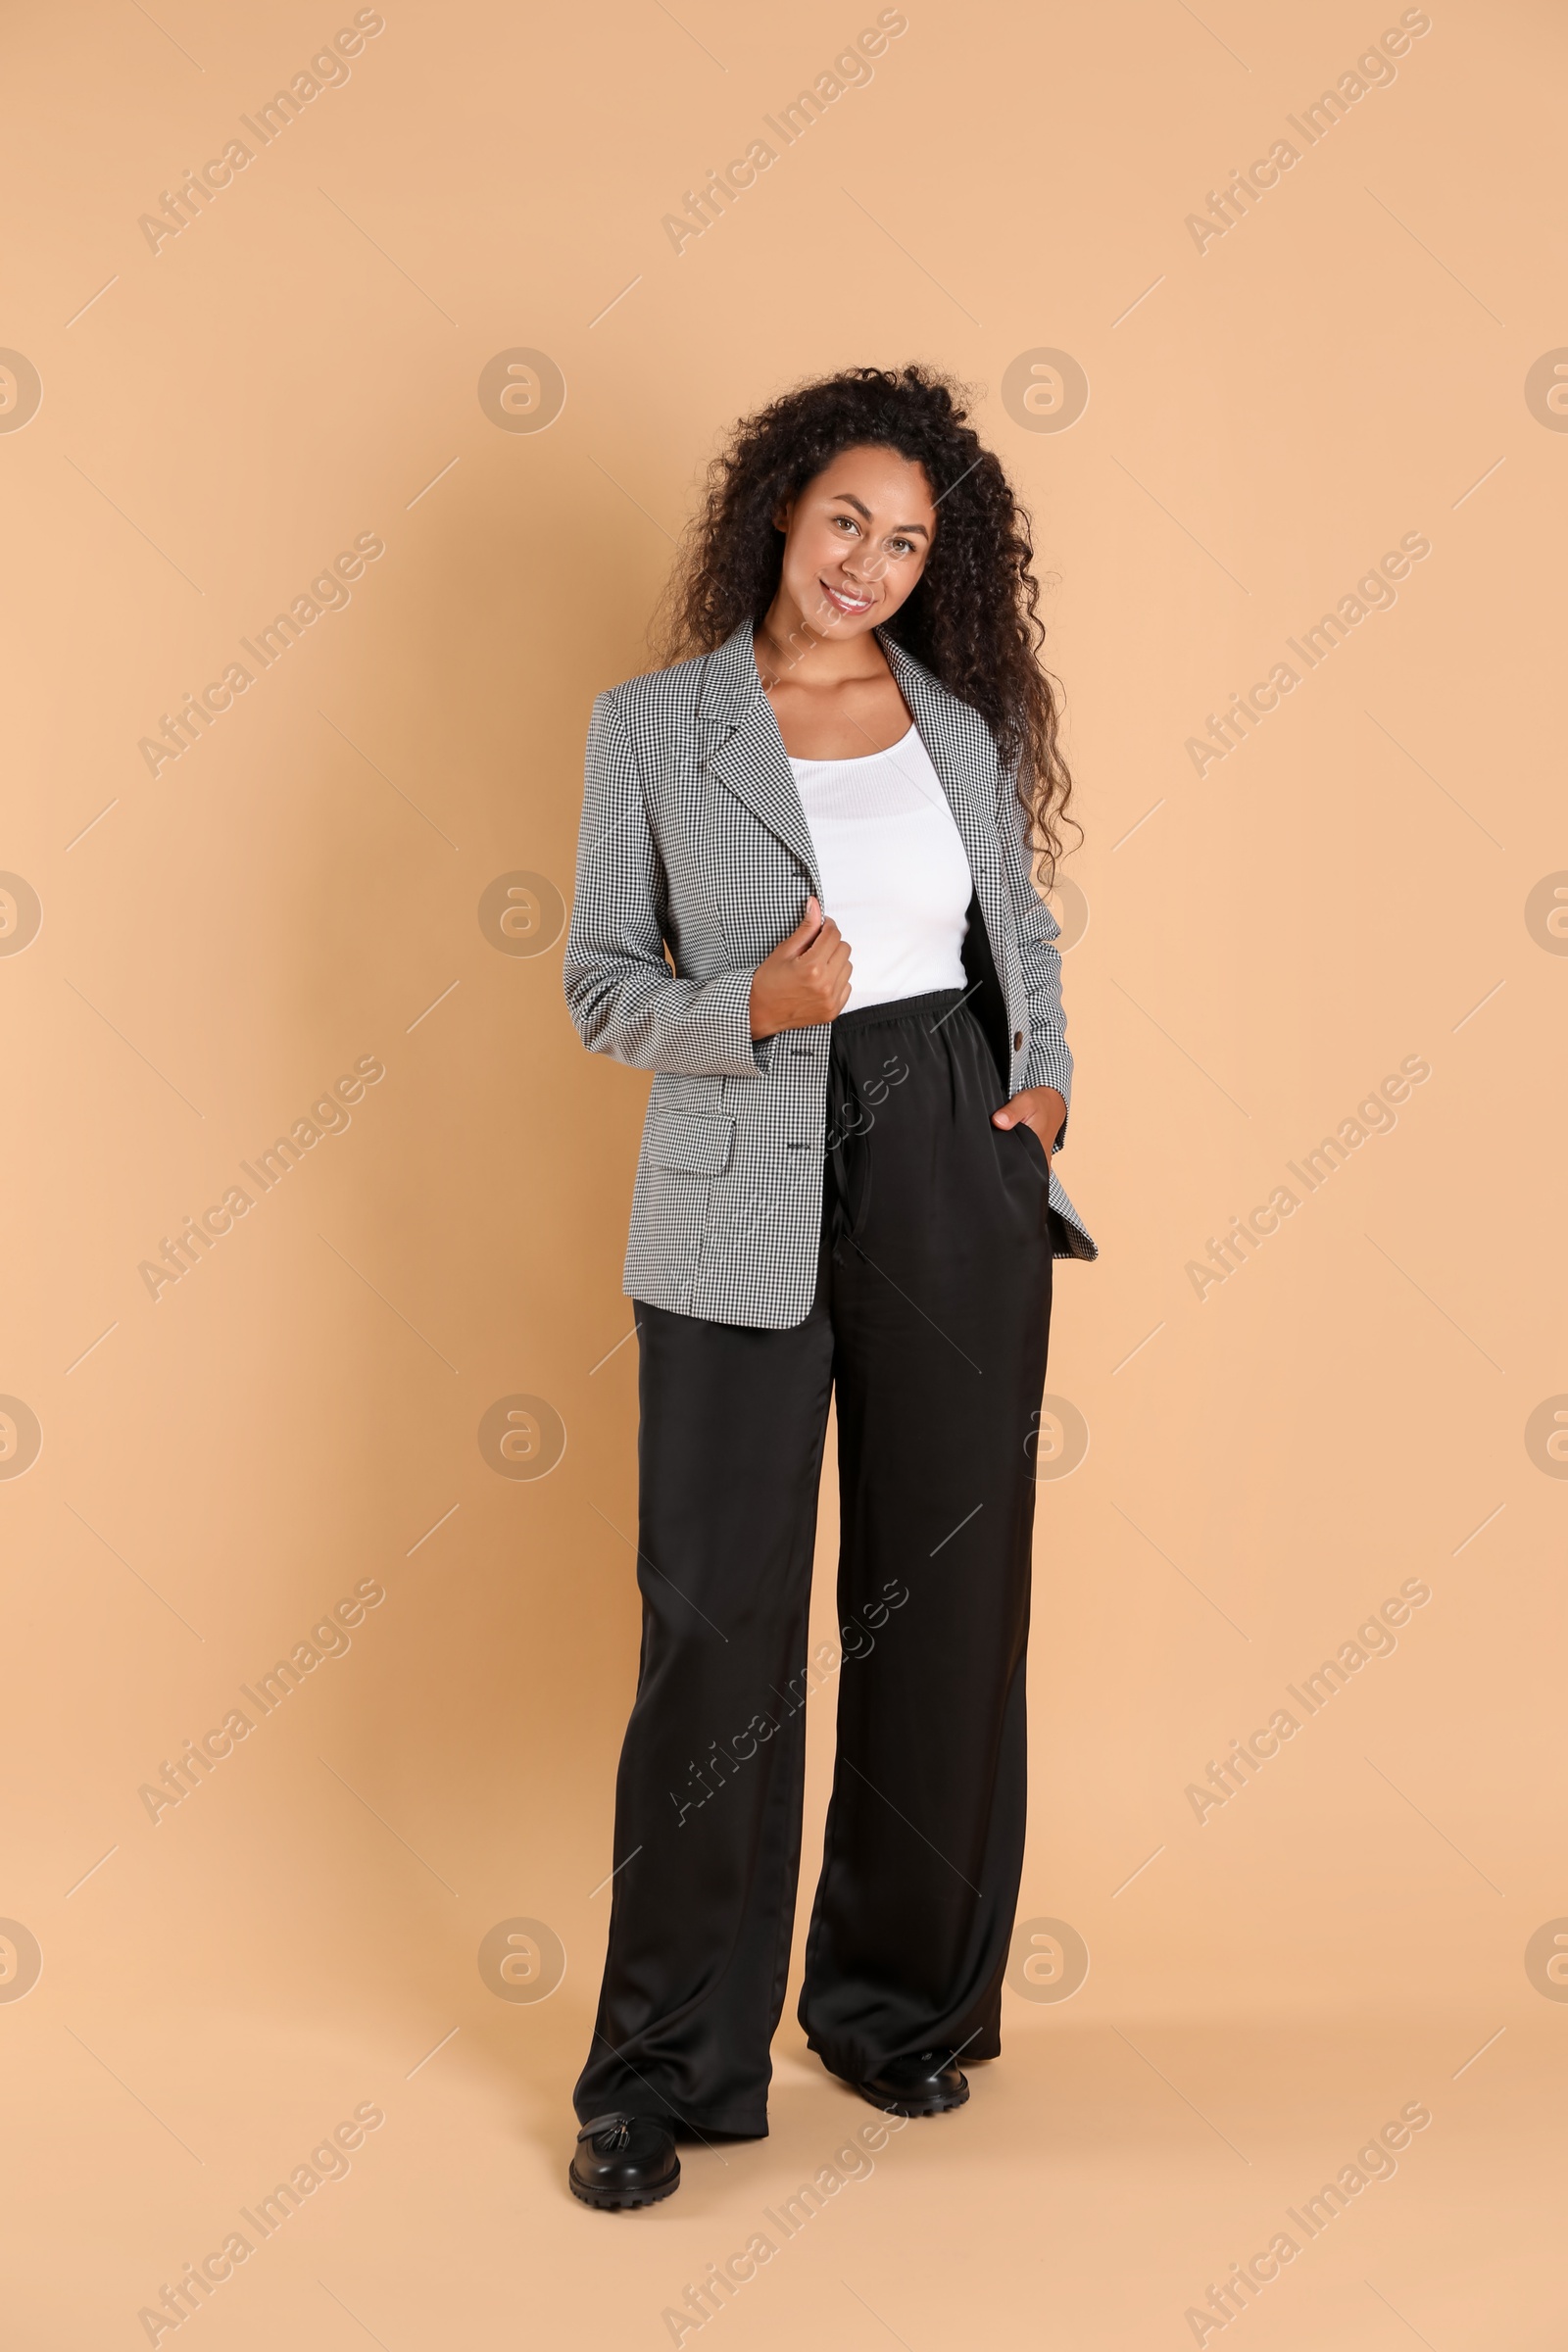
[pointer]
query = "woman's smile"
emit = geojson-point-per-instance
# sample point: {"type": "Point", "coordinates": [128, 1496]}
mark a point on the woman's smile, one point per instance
{"type": "Point", "coordinates": [844, 600]}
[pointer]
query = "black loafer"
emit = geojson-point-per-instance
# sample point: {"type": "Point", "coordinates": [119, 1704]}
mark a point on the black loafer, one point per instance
{"type": "Point", "coordinates": [927, 2084]}
{"type": "Point", "coordinates": [622, 2160]}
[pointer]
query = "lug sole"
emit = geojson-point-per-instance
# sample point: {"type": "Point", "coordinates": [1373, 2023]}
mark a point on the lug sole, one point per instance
{"type": "Point", "coordinates": [911, 2107]}
{"type": "Point", "coordinates": [623, 2200]}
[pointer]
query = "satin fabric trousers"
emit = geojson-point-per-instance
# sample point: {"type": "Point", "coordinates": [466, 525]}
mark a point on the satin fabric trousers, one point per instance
{"type": "Point", "coordinates": [929, 1328]}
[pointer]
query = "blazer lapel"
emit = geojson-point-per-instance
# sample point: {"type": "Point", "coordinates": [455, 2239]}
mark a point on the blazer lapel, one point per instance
{"type": "Point", "coordinates": [746, 751]}
{"type": "Point", "coordinates": [935, 712]}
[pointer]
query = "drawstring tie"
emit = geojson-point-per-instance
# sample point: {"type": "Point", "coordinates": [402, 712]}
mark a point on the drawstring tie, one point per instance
{"type": "Point", "coordinates": [852, 1191]}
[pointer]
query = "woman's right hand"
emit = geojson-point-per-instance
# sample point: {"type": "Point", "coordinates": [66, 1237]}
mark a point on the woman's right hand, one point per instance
{"type": "Point", "coordinates": [806, 978]}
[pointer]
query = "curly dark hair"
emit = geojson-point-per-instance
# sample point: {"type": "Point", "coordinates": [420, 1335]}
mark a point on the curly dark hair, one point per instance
{"type": "Point", "coordinates": [971, 619]}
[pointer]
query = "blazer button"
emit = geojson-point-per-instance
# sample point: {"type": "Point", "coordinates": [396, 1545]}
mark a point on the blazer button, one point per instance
{"type": "Point", "coordinates": [1017, 1040]}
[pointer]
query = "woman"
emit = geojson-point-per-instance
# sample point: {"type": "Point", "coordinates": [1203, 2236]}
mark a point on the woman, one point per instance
{"type": "Point", "coordinates": [804, 902]}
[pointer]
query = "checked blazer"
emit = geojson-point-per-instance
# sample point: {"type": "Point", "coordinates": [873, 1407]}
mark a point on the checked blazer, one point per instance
{"type": "Point", "coordinates": [694, 840]}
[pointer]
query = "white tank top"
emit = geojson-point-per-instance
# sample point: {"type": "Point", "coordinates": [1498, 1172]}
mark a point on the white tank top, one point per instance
{"type": "Point", "coordinates": [894, 871]}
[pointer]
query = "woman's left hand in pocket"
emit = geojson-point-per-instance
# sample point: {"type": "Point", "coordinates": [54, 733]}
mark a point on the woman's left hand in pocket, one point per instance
{"type": "Point", "coordinates": [1038, 1106]}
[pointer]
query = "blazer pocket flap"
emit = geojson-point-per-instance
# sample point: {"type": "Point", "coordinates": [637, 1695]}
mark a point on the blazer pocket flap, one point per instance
{"type": "Point", "coordinates": [696, 1141]}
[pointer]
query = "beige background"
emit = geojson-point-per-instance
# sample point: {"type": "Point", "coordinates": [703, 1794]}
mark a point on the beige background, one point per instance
{"type": "Point", "coordinates": [301, 889]}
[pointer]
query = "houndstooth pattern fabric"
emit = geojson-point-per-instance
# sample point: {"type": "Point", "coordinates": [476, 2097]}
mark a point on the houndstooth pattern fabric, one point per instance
{"type": "Point", "coordinates": [693, 836]}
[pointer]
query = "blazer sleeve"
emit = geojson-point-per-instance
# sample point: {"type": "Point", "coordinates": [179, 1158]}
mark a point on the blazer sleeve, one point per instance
{"type": "Point", "coordinates": [1048, 1061]}
{"type": "Point", "coordinates": [623, 999]}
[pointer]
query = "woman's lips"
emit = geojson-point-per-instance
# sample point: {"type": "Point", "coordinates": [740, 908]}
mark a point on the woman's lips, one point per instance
{"type": "Point", "coordinates": [842, 603]}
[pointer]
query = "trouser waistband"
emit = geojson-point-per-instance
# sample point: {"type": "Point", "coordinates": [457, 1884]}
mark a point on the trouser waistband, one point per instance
{"type": "Point", "coordinates": [936, 1004]}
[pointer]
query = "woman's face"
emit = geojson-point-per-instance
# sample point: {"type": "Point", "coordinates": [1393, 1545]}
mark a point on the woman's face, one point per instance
{"type": "Point", "coordinates": [856, 541]}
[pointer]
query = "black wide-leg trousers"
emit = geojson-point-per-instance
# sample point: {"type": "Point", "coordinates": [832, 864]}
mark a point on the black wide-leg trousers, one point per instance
{"type": "Point", "coordinates": [929, 1326]}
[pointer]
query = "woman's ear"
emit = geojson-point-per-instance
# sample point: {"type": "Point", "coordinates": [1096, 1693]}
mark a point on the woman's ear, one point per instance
{"type": "Point", "coordinates": [781, 516]}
